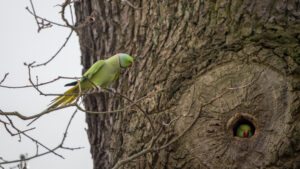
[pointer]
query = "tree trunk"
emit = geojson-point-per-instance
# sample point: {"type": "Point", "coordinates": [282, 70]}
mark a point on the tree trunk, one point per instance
{"type": "Point", "coordinates": [188, 53]}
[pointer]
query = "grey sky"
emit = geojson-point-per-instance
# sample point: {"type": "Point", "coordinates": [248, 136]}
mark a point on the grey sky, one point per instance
{"type": "Point", "coordinates": [19, 43]}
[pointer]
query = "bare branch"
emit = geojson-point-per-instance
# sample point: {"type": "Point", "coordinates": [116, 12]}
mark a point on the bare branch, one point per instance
{"type": "Point", "coordinates": [63, 6]}
{"type": "Point", "coordinates": [35, 17]}
{"type": "Point", "coordinates": [71, 12]}
{"type": "Point", "coordinates": [60, 146]}
{"type": "Point", "coordinates": [44, 19]}
{"type": "Point", "coordinates": [23, 117]}
{"type": "Point", "coordinates": [3, 122]}
{"type": "Point", "coordinates": [37, 148]}
{"type": "Point", "coordinates": [31, 138]}
{"type": "Point", "coordinates": [71, 148]}
{"type": "Point", "coordinates": [2, 159]}
{"type": "Point", "coordinates": [59, 50]}
{"type": "Point", "coordinates": [42, 23]}
{"type": "Point", "coordinates": [29, 158]}
{"type": "Point", "coordinates": [18, 133]}
{"type": "Point", "coordinates": [67, 128]}
{"type": "Point", "coordinates": [6, 74]}
{"type": "Point", "coordinates": [138, 106]}
{"type": "Point", "coordinates": [107, 112]}
{"type": "Point", "coordinates": [40, 84]}
{"type": "Point", "coordinates": [38, 115]}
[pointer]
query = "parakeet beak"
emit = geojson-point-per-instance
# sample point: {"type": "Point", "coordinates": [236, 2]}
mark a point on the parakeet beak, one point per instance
{"type": "Point", "coordinates": [131, 64]}
{"type": "Point", "coordinates": [246, 133]}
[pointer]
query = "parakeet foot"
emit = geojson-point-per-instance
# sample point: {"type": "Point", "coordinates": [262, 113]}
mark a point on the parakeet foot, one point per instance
{"type": "Point", "coordinates": [98, 88]}
{"type": "Point", "coordinates": [114, 91]}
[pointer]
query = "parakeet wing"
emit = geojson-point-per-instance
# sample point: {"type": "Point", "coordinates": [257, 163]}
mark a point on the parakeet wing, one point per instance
{"type": "Point", "coordinates": [116, 76]}
{"type": "Point", "coordinates": [92, 70]}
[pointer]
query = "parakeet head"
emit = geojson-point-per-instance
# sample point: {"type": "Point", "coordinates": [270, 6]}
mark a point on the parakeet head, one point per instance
{"type": "Point", "coordinates": [244, 131]}
{"type": "Point", "coordinates": [125, 60]}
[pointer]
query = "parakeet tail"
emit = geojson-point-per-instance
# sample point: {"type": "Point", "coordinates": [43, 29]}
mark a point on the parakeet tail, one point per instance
{"type": "Point", "coordinates": [71, 84]}
{"type": "Point", "coordinates": [68, 97]}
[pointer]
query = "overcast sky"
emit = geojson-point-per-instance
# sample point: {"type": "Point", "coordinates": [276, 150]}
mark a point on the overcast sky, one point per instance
{"type": "Point", "coordinates": [19, 43]}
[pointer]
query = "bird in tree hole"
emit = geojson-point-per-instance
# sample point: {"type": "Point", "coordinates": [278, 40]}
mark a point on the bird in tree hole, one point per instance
{"type": "Point", "coordinates": [244, 131]}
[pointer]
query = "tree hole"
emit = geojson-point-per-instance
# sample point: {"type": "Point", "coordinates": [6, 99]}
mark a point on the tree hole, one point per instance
{"type": "Point", "coordinates": [242, 119]}
{"type": "Point", "coordinates": [240, 122]}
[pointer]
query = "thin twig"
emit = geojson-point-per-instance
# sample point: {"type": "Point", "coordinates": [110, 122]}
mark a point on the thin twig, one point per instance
{"type": "Point", "coordinates": [37, 148]}
{"type": "Point", "coordinates": [59, 50]}
{"type": "Point", "coordinates": [31, 138]}
{"type": "Point", "coordinates": [105, 112]}
{"type": "Point", "coordinates": [127, 98]}
{"type": "Point", "coordinates": [44, 19]}
{"type": "Point", "coordinates": [29, 158]}
{"type": "Point", "coordinates": [66, 133]}
{"type": "Point", "coordinates": [63, 7]}
{"type": "Point", "coordinates": [181, 134]}
{"type": "Point", "coordinates": [40, 84]}
{"type": "Point", "coordinates": [71, 12]}
{"type": "Point", "coordinates": [71, 148]}
{"type": "Point", "coordinates": [18, 133]}
{"type": "Point", "coordinates": [3, 122]}
{"type": "Point", "coordinates": [60, 146]}
{"type": "Point", "coordinates": [2, 159]}
{"type": "Point", "coordinates": [6, 74]}
{"type": "Point", "coordinates": [23, 117]}
{"type": "Point", "coordinates": [138, 106]}
{"type": "Point", "coordinates": [67, 128]}
{"type": "Point", "coordinates": [35, 16]}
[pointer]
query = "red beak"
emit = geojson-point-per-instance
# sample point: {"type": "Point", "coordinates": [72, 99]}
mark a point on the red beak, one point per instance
{"type": "Point", "coordinates": [246, 133]}
{"type": "Point", "coordinates": [131, 64]}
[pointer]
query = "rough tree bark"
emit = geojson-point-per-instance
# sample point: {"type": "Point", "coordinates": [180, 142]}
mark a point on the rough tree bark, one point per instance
{"type": "Point", "coordinates": [188, 52]}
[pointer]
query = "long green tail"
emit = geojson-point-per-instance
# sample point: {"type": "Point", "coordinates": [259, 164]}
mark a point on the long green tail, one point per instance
{"type": "Point", "coordinates": [65, 99]}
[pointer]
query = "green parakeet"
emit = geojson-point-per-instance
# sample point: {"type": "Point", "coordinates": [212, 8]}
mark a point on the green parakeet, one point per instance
{"type": "Point", "coordinates": [244, 131]}
{"type": "Point", "coordinates": [102, 73]}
